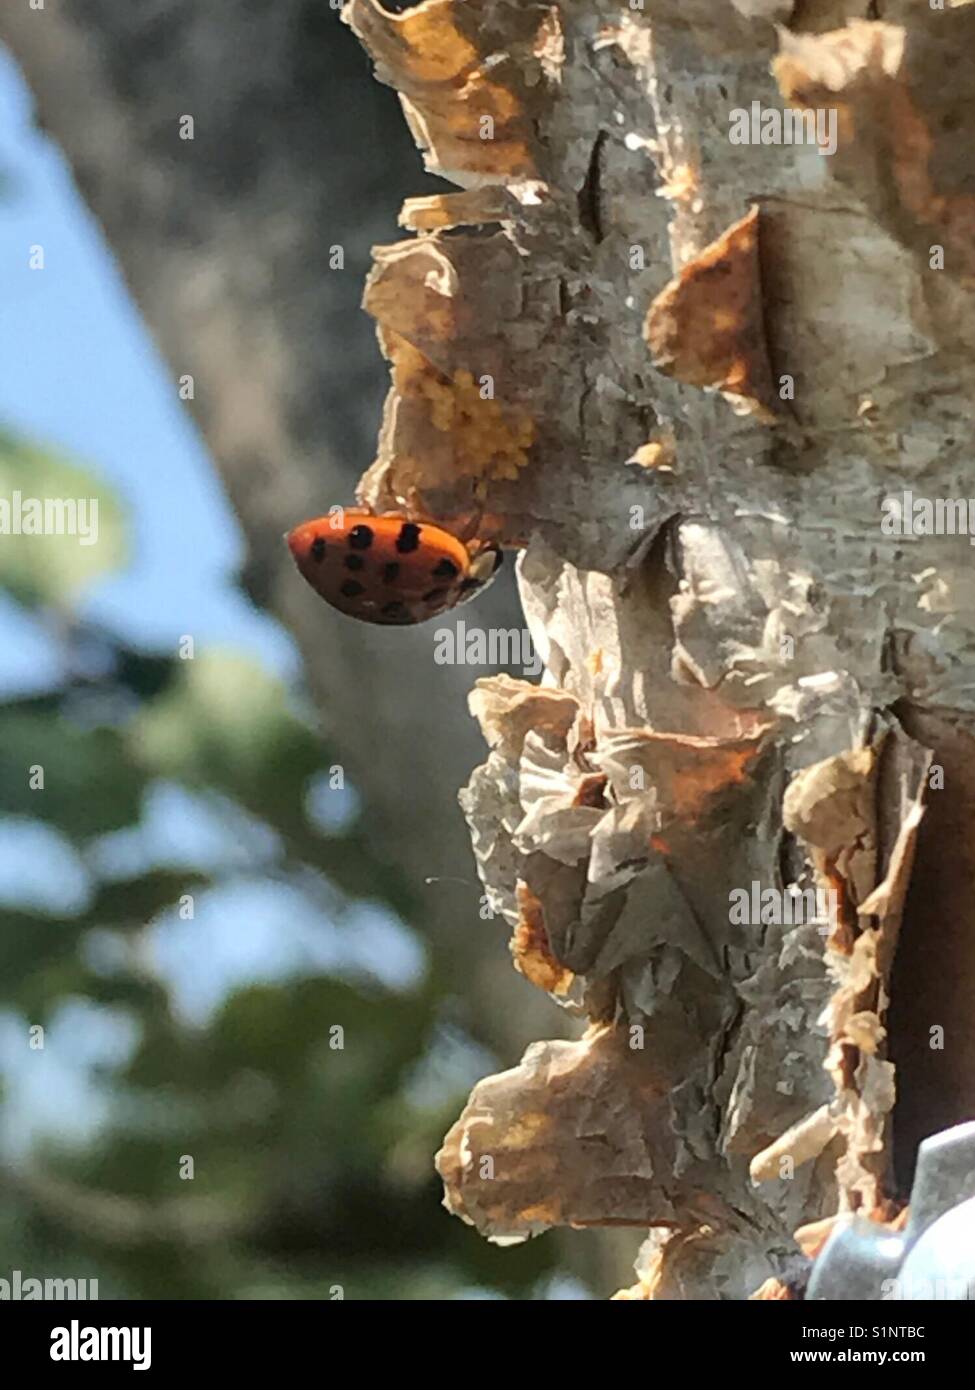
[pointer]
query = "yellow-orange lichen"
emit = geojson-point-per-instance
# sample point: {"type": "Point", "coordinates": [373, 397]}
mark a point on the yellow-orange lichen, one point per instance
{"type": "Point", "coordinates": [487, 439]}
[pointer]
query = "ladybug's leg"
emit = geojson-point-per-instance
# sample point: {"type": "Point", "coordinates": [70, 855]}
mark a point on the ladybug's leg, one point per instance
{"type": "Point", "coordinates": [477, 528]}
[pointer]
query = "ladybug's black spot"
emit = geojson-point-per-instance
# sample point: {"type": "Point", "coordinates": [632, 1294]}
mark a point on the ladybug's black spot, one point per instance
{"type": "Point", "coordinates": [446, 569]}
{"type": "Point", "coordinates": [397, 610]}
{"type": "Point", "coordinates": [391, 572]}
{"type": "Point", "coordinates": [360, 537]}
{"type": "Point", "coordinates": [317, 549]}
{"type": "Point", "coordinates": [408, 538]}
{"type": "Point", "coordinates": [352, 589]}
{"type": "Point", "coordinates": [354, 562]}
{"type": "Point", "coordinates": [435, 596]}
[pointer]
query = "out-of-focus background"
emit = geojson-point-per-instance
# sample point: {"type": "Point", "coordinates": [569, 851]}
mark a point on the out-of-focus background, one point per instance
{"type": "Point", "coordinates": [232, 1030]}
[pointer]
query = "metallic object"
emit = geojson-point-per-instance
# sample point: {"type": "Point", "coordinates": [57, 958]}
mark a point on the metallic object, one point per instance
{"type": "Point", "coordinates": [933, 1257]}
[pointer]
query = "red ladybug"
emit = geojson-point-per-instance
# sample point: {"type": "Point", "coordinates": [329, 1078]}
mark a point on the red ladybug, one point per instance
{"type": "Point", "coordinates": [387, 569]}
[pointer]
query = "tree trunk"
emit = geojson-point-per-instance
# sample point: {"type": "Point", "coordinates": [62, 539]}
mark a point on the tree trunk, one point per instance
{"type": "Point", "coordinates": [713, 355]}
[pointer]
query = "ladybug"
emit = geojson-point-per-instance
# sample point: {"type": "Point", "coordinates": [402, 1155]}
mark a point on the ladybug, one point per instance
{"type": "Point", "coordinates": [388, 569]}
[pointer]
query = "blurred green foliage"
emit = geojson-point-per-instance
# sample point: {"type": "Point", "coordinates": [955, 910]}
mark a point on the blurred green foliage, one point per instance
{"type": "Point", "coordinates": [312, 1165]}
{"type": "Point", "coordinates": [54, 571]}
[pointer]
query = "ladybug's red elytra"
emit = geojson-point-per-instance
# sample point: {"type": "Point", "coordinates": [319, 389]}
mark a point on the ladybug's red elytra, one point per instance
{"type": "Point", "coordinates": [387, 568]}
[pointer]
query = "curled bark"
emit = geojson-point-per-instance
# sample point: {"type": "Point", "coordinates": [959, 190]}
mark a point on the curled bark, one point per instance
{"type": "Point", "coordinates": [709, 364]}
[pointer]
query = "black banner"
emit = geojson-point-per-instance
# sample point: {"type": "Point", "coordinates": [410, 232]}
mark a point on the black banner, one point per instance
{"type": "Point", "coordinates": [163, 1338]}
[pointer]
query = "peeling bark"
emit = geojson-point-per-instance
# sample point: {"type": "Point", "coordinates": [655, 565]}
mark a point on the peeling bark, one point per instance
{"type": "Point", "coordinates": [712, 363]}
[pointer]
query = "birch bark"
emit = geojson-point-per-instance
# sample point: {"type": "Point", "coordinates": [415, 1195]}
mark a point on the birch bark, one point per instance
{"type": "Point", "coordinates": [719, 361]}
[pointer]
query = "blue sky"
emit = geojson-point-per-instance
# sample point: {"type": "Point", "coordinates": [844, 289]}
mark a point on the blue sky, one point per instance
{"type": "Point", "coordinates": [79, 372]}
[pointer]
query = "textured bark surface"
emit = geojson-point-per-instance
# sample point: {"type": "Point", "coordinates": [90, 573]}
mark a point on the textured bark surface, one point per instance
{"type": "Point", "coordinates": [747, 679]}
